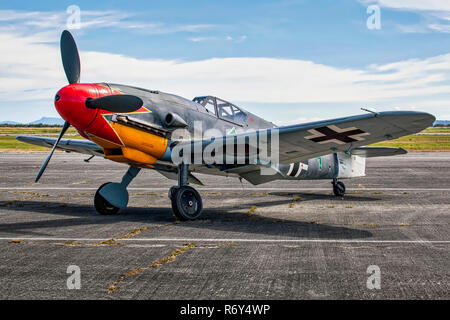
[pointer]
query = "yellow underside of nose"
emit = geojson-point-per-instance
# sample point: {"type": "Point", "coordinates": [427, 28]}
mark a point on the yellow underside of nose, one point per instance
{"type": "Point", "coordinates": [139, 147]}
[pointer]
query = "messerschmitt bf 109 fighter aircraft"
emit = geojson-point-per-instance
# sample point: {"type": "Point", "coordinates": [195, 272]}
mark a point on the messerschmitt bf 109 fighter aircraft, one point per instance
{"type": "Point", "coordinates": [178, 137]}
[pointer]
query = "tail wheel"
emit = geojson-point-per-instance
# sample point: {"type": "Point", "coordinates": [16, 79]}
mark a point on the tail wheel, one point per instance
{"type": "Point", "coordinates": [102, 205]}
{"type": "Point", "coordinates": [186, 203]}
{"type": "Point", "coordinates": [339, 189]}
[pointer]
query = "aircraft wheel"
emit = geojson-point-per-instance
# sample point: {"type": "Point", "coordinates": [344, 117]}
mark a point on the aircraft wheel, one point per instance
{"type": "Point", "coordinates": [339, 189]}
{"type": "Point", "coordinates": [102, 205]}
{"type": "Point", "coordinates": [172, 192]}
{"type": "Point", "coordinates": [187, 203]}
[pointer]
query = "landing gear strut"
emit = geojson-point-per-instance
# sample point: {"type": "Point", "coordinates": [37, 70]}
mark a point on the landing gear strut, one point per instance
{"type": "Point", "coordinates": [338, 188]}
{"type": "Point", "coordinates": [111, 196]}
{"type": "Point", "coordinates": [186, 201]}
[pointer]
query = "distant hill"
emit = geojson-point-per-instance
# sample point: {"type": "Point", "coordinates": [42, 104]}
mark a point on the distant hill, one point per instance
{"type": "Point", "coordinates": [46, 121]}
{"type": "Point", "coordinates": [441, 123]}
{"type": "Point", "coordinates": [9, 122]}
{"type": "Point", "coordinates": [49, 121]}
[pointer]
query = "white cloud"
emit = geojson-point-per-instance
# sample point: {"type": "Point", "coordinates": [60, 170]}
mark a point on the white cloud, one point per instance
{"type": "Point", "coordinates": [299, 120]}
{"type": "Point", "coordinates": [444, 28]}
{"type": "Point", "coordinates": [237, 40]}
{"type": "Point", "coordinates": [413, 28]}
{"type": "Point", "coordinates": [56, 20]}
{"type": "Point", "coordinates": [30, 70]}
{"type": "Point", "coordinates": [435, 13]}
{"type": "Point", "coordinates": [27, 64]}
{"type": "Point", "coordinates": [227, 38]}
{"type": "Point", "coordinates": [201, 39]}
{"type": "Point", "coordinates": [418, 5]}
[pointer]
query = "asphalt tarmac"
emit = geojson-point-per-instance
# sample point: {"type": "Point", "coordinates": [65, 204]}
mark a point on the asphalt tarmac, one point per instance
{"type": "Point", "coordinates": [282, 240]}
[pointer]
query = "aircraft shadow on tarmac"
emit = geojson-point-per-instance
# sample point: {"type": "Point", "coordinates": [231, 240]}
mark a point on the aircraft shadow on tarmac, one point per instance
{"type": "Point", "coordinates": [223, 219]}
{"type": "Point", "coordinates": [329, 197]}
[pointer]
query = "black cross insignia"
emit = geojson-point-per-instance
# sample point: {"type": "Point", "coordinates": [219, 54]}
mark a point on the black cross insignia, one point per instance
{"type": "Point", "coordinates": [328, 134]}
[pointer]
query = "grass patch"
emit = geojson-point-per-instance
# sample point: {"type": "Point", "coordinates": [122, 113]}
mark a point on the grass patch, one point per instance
{"type": "Point", "coordinates": [252, 209]}
{"type": "Point", "coordinates": [35, 130]}
{"type": "Point", "coordinates": [437, 130]}
{"type": "Point", "coordinates": [114, 242]}
{"type": "Point", "coordinates": [71, 243]}
{"type": "Point", "coordinates": [113, 288]}
{"type": "Point", "coordinates": [9, 142]}
{"type": "Point", "coordinates": [250, 212]}
{"type": "Point", "coordinates": [231, 244]}
{"type": "Point", "coordinates": [418, 143]}
{"type": "Point", "coordinates": [110, 242]}
{"type": "Point", "coordinates": [173, 255]}
{"type": "Point", "coordinates": [133, 233]}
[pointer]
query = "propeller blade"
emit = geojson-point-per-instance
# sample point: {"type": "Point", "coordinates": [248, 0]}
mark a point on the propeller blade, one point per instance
{"type": "Point", "coordinates": [70, 57]}
{"type": "Point", "coordinates": [63, 130]}
{"type": "Point", "coordinates": [116, 103]}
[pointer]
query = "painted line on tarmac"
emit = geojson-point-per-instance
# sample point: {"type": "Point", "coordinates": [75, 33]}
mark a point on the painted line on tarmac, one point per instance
{"type": "Point", "coordinates": [237, 189]}
{"type": "Point", "coordinates": [232, 240]}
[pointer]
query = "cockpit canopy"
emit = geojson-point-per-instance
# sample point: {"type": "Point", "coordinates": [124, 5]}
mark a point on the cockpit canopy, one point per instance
{"type": "Point", "coordinates": [222, 109]}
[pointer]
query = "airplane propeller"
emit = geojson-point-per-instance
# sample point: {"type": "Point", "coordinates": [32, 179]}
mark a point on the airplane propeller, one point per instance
{"type": "Point", "coordinates": [41, 171]}
{"type": "Point", "coordinates": [70, 57]}
{"type": "Point", "coordinates": [72, 69]}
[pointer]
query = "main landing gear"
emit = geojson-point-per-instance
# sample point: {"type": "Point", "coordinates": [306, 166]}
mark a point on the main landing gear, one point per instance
{"type": "Point", "coordinates": [111, 196]}
{"type": "Point", "coordinates": [338, 188]}
{"type": "Point", "coordinates": [186, 201]}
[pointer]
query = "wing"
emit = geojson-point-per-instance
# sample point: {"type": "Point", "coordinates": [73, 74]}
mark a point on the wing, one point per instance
{"type": "Point", "coordinates": [69, 145]}
{"type": "Point", "coordinates": [305, 141]}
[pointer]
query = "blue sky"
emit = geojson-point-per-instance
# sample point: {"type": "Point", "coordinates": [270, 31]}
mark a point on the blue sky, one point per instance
{"type": "Point", "coordinates": [289, 61]}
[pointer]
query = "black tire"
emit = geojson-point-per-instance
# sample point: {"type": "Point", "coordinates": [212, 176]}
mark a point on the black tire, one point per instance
{"type": "Point", "coordinates": [172, 196]}
{"type": "Point", "coordinates": [172, 192]}
{"type": "Point", "coordinates": [339, 189]}
{"type": "Point", "coordinates": [187, 204]}
{"type": "Point", "coordinates": [102, 205]}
